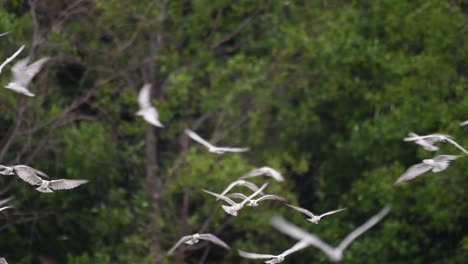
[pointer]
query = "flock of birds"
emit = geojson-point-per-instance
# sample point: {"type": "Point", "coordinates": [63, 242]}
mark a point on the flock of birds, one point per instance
{"type": "Point", "coordinates": [23, 73]}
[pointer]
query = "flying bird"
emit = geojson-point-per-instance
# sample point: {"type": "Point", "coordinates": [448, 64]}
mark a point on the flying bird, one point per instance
{"type": "Point", "coordinates": [247, 184]}
{"type": "Point", "coordinates": [23, 74]}
{"type": "Point", "coordinates": [464, 123]}
{"type": "Point", "coordinates": [33, 177]}
{"type": "Point", "coordinates": [273, 259]}
{"type": "Point", "coordinates": [314, 218]}
{"type": "Point", "coordinates": [254, 202]}
{"type": "Point", "coordinates": [427, 144]}
{"type": "Point", "coordinates": [436, 138]}
{"type": "Point", "coordinates": [211, 147]}
{"type": "Point", "coordinates": [234, 207]}
{"type": "Point", "coordinates": [437, 164]}
{"type": "Point", "coordinates": [12, 57]}
{"type": "Point", "coordinates": [264, 171]}
{"type": "Point", "coordinates": [147, 111]}
{"type": "Point", "coordinates": [334, 253]}
{"type": "Point", "coordinates": [195, 238]}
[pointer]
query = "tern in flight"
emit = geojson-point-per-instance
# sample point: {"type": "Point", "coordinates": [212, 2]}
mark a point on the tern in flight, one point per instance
{"type": "Point", "coordinates": [23, 75]}
{"type": "Point", "coordinates": [437, 164]}
{"type": "Point", "coordinates": [147, 111]}
{"type": "Point", "coordinates": [195, 238]}
{"type": "Point", "coordinates": [247, 184]}
{"type": "Point", "coordinates": [314, 218]}
{"type": "Point", "coordinates": [334, 253]}
{"type": "Point", "coordinates": [211, 147]}
{"type": "Point", "coordinates": [436, 138]}
{"type": "Point", "coordinates": [254, 202]}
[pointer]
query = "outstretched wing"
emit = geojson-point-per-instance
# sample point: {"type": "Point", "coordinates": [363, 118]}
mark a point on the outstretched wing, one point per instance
{"type": "Point", "coordinates": [34, 68]}
{"type": "Point", "coordinates": [298, 246]}
{"type": "Point", "coordinates": [237, 196]}
{"type": "Point", "coordinates": [254, 194]}
{"type": "Point", "coordinates": [182, 240]}
{"type": "Point", "coordinates": [27, 174]}
{"type": "Point", "coordinates": [222, 197]}
{"type": "Point", "coordinates": [229, 187]}
{"type": "Point", "coordinates": [442, 158]}
{"type": "Point", "coordinates": [302, 210]}
{"type": "Point", "coordinates": [6, 207]}
{"type": "Point", "coordinates": [464, 123]}
{"type": "Point", "coordinates": [12, 57]}
{"type": "Point", "coordinates": [252, 173]}
{"type": "Point", "coordinates": [144, 97]}
{"type": "Point", "coordinates": [214, 239]}
{"type": "Point", "coordinates": [364, 227]}
{"type": "Point", "coordinates": [332, 212]}
{"type": "Point", "coordinates": [5, 201]}
{"type": "Point", "coordinates": [272, 197]}
{"type": "Point", "coordinates": [197, 138]}
{"type": "Point", "coordinates": [254, 255]}
{"type": "Point", "coordinates": [64, 184]}
{"type": "Point", "coordinates": [224, 149]}
{"type": "Point", "coordinates": [274, 174]}
{"type": "Point", "coordinates": [413, 171]}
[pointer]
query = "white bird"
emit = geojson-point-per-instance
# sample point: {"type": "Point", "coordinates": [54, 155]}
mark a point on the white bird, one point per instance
{"type": "Point", "coordinates": [33, 177]}
{"type": "Point", "coordinates": [314, 218]}
{"type": "Point", "coordinates": [254, 202]}
{"type": "Point", "coordinates": [273, 259]}
{"type": "Point", "coordinates": [247, 184]}
{"type": "Point", "coordinates": [437, 138]}
{"type": "Point", "coordinates": [464, 123]}
{"type": "Point", "coordinates": [427, 144]}
{"type": "Point", "coordinates": [333, 253]}
{"type": "Point", "coordinates": [437, 164]}
{"type": "Point", "coordinates": [211, 147]}
{"type": "Point", "coordinates": [195, 238]}
{"type": "Point", "coordinates": [264, 171]}
{"type": "Point", "coordinates": [23, 74]}
{"type": "Point", "coordinates": [12, 57]}
{"type": "Point", "coordinates": [147, 111]}
{"type": "Point", "coordinates": [234, 207]}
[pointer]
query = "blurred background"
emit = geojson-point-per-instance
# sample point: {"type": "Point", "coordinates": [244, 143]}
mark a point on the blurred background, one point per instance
{"type": "Point", "coordinates": [323, 91]}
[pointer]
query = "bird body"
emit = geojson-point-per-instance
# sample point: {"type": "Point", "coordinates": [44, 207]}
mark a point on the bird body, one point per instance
{"type": "Point", "coordinates": [314, 218]}
{"type": "Point", "coordinates": [437, 164]}
{"type": "Point", "coordinates": [274, 259]}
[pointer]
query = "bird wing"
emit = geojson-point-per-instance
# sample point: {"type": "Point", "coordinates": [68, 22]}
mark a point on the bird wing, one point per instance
{"type": "Point", "coordinates": [144, 97]}
{"type": "Point", "coordinates": [64, 184]}
{"type": "Point", "coordinates": [225, 149]}
{"type": "Point", "coordinates": [6, 207]}
{"type": "Point", "coordinates": [6, 200]}
{"type": "Point", "coordinates": [222, 197]}
{"type": "Point", "coordinates": [364, 227]}
{"type": "Point", "coordinates": [464, 123]}
{"type": "Point", "coordinates": [3, 261]}
{"type": "Point", "coordinates": [254, 194]}
{"type": "Point", "coordinates": [12, 57]}
{"type": "Point", "coordinates": [32, 69]}
{"type": "Point", "coordinates": [413, 171]}
{"type": "Point", "coordinates": [234, 195]}
{"type": "Point", "coordinates": [250, 185]}
{"type": "Point", "coordinates": [182, 240]}
{"type": "Point", "coordinates": [275, 174]}
{"type": "Point", "coordinates": [442, 158]}
{"type": "Point", "coordinates": [332, 212]}
{"type": "Point", "coordinates": [19, 69]}
{"type": "Point", "coordinates": [298, 233]}
{"type": "Point", "coordinates": [457, 145]}
{"type": "Point", "coordinates": [298, 246]}
{"type": "Point", "coordinates": [302, 210]}
{"type": "Point", "coordinates": [252, 173]}
{"type": "Point", "coordinates": [271, 197]}
{"type": "Point", "coordinates": [151, 116]}
{"type": "Point", "coordinates": [254, 255]}
{"type": "Point", "coordinates": [214, 239]}
{"type": "Point", "coordinates": [197, 138]}
{"type": "Point", "coordinates": [230, 186]}
{"type": "Point", "coordinates": [27, 174]}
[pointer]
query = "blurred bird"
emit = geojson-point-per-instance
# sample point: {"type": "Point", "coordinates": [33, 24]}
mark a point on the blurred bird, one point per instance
{"type": "Point", "coordinates": [436, 138]}
{"type": "Point", "coordinates": [333, 253]}
{"type": "Point", "coordinates": [211, 147]}
{"type": "Point", "coordinates": [12, 57]}
{"type": "Point", "coordinates": [195, 238]}
{"type": "Point", "coordinates": [437, 164]}
{"type": "Point", "coordinates": [33, 177]}
{"type": "Point", "coordinates": [147, 111]}
{"type": "Point", "coordinates": [254, 202]}
{"type": "Point", "coordinates": [23, 74]}
{"type": "Point", "coordinates": [247, 184]}
{"type": "Point", "coordinates": [464, 123]}
{"type": "Point", "coordinates": [274, 258]}
{"type": "Point", "coordinates": [3, 261]}
{"type": "Point", "coordinates": [314, 218]}
{"type": "Point", "coordinates": [427, 144]}
{"type": "Point", "coordinates": [235, 207]}
{"type": "Point", "coordinates": [264, 171]}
